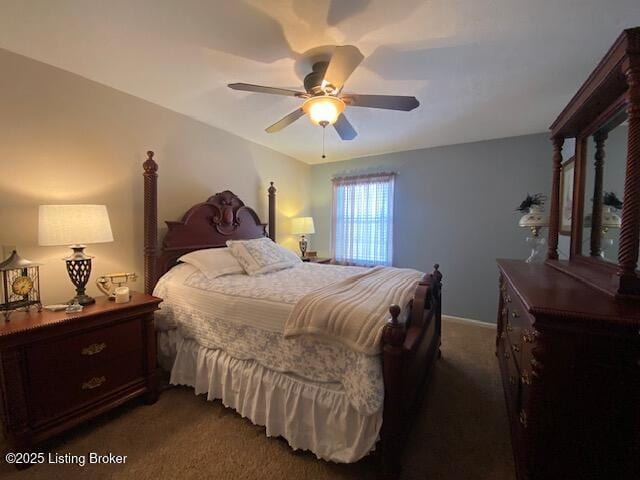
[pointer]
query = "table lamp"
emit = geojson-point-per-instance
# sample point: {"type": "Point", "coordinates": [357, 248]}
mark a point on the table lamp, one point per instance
{"type": "Point", "coordinates": [535, 220]}
{"type": "Point", "coordinates": [76, 226]}
{"type": "Point", "coordinates": [302, 226]}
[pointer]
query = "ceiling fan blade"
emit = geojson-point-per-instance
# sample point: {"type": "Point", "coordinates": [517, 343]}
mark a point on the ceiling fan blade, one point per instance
{"type": "Point", "coordinates": [343, 62]}
{"type": "Point", "coordinates": [388, 102]}
{"type": "Point", "coordinates": [247, 87]}
{"type": "Point", "coordinates": [344, 128]}
{"type": "Point", "coordinates": [285, 121]}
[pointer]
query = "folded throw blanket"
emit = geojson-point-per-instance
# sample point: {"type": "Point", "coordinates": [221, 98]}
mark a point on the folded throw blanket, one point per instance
{"type": "Point", "coordinates": [353, 311]}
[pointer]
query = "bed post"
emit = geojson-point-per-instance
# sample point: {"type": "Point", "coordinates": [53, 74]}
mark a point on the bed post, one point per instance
{"type": "Point", "coordinates": [150, 221]}
{"type": "Point", "coordinates": [393, 337]}
{"type": "Point", "coordinates": [437, 293]}
{"type": "Point", "coordinates": [400, 347]}
{"type": "Point", "coordinates": [272, 212]}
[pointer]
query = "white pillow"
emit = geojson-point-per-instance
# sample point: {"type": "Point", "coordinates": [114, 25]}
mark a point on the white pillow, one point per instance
{"type": "Point", "coordinates": [289, 254]}
{"type": "Point", "coordinates": [213, 262]}
{"type": "Point", "coordinates": [260, 255]}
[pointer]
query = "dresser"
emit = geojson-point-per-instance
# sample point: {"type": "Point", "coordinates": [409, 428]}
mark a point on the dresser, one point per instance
{"type": "Point", "coordinates": [569, 358]}
{"type": "Point", "coordinates": [568, 338]}
{"type": "Point", "coordinates": [58, 370]}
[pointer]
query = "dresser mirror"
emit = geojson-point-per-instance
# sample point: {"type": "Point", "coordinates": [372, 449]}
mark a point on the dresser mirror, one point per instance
{"type": "Point", "coordinates": [605, 157]}
{"type": "Point", "coordinates": [604, 119]}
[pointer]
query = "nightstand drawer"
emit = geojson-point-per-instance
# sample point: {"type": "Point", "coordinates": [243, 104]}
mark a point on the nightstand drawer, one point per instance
{"type": "Point", "coordinates": [66, 389]}
{"type": "Point", "coordinates": [85, 349]}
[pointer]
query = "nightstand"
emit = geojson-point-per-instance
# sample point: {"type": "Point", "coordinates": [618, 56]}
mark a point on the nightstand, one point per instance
{"type": "Point", "coordinates": [58, 370]}
{"type": "Point", "coordinates": [317, 260]}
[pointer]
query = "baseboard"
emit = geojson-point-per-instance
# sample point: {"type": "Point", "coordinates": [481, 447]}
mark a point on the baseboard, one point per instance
{"type": "Point", "coordinates": [469, 321]}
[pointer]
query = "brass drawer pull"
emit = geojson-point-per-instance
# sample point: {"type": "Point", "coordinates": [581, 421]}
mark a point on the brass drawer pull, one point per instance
{"type": "Point", "coordinates": [516, 347]}
{"type": "Point", "coordinates": [95, 382]}
{"type": "Point", "coordinates": [515, 314]}
{"type": "Point", "coordinates": [508, 298]}
{"type": "Point", "coordinates": [94, 348]}
{"type": "Point", "coordinates": [527, 337]}
{"type": "Point", "coordinates": [523, 418]}
{"type": "Point", "coordinates": [525, 379]}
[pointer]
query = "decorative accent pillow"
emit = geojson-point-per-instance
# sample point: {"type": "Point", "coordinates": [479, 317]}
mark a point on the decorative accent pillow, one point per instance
{"type": "Point", "coordinates": [213, 262]}
{"type": "Point", "coordinates": [289, 254]}
{"type": "Point", "coordinates": [260, 255]}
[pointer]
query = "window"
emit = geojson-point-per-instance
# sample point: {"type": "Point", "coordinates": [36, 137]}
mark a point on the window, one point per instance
{"type": "Point", "coordinates": [363, 219]}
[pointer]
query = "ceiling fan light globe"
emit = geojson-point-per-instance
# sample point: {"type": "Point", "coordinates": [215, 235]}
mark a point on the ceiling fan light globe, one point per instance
{"type": "Point", "coordinates": [324, 109]}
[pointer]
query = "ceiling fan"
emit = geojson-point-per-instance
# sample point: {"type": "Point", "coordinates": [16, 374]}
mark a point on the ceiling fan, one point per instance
{"type": "Point", "coordinates": [324, 101]}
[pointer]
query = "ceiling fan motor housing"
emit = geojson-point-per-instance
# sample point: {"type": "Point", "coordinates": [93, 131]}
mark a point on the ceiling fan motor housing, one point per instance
{"type": "Point", "coordinates": [313, 81]}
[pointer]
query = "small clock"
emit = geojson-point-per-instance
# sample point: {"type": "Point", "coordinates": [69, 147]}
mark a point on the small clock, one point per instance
{"type": "Point", "coordinates": [20, 286]}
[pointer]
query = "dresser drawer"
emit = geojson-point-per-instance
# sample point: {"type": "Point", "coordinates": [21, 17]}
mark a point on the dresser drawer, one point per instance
{"type": "Point", "coordinates": [517, 324]}
{"type": "Point", "coordinates": [510, 373]}
{"type": "Point", "coordinates": [67, 372]}
{"type": "Point", "coordinates": [84, 350]}
{"type": "Point", "coordinates": [68, 388]}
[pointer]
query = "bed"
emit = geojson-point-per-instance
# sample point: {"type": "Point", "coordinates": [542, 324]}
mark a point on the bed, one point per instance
{"type": "Point", "coordinates": [229, 337]}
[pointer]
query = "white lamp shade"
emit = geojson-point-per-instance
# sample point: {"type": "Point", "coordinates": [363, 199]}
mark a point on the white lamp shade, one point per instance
{"type": "Point", "coordinates": [73, 225]}
{"type": "Point", "coordinates": [302, 226]}
{"type": "Point", "coordinates": [535, 218]}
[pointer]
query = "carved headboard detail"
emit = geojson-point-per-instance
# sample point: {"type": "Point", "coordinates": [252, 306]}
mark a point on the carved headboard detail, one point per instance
{"type": "Point", "coordinates": [205, 225]}
{"type": "Point", "coordinates": [210, 224]}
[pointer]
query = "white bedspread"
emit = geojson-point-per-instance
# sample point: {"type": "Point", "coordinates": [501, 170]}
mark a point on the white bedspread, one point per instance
{"type": "Point", "coordinates": [245, 316]}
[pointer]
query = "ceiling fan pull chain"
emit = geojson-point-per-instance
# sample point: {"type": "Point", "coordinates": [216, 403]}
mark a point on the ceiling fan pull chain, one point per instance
{"type": "Point", "coordinates": [324, 129]}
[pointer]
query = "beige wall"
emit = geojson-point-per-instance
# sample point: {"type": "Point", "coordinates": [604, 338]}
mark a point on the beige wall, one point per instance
{"type": "Point", "coordinates": [66, 139]}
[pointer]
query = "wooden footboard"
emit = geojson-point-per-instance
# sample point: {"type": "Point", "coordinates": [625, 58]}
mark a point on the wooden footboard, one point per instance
{"type": "Point", "coordinates": [408, 352]}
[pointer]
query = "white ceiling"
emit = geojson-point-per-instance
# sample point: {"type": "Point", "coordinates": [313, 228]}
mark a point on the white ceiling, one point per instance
{"type": "Point", "coordinates": [481, 68]}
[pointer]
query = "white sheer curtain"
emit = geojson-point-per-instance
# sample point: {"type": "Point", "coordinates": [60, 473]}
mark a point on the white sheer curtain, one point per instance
{"type": "Point", "coordinates": [363, 219]}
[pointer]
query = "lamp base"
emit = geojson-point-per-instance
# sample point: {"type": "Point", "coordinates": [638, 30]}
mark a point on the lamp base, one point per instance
{"type": "Point", "coordinates": [537, 244]}
{"type": "Point", "coordinates": [83, 300]}
{"type": "Point", "coordinates": [79, 270]}
{"type": "Point", "coordinates": [303, 244]}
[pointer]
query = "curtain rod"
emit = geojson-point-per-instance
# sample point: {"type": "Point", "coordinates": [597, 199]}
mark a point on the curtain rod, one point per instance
{"type": "Point", "coordinates": [363, 176]}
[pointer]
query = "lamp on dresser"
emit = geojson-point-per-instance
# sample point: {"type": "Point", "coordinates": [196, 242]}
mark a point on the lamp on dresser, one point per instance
{"type": "Point", "coordinates": [302, 226]}
{"type": "Point", "coordinates": [76, 226]}
{"type": "Point", "coordinates": [535, 219]}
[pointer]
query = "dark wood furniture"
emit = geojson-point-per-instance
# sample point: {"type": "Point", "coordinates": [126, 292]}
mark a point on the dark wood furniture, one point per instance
{"type": "Point", "coordinates": [323, 260]}
{"type": "Point", "coordinates": [569, 360]}
{"type": "Point", "coordinates": [610, 94]}
{"type": "Point", "coordinates": [409, 350]}
{"type": "Point", "coordinates": [568, 336]}
{"type": "Point", "coordinates": [58, 370]}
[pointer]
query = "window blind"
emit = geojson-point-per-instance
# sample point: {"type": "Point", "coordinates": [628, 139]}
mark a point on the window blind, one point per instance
{"type": "Point", "coordinates": [362, 224]}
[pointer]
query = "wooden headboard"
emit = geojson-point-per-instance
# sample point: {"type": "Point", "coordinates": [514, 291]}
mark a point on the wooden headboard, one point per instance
{"type": "Point", "coordinates": [209, 224]}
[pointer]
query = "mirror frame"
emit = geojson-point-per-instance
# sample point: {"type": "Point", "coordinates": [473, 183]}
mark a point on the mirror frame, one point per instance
{"type": "Point", "coordinates": [613, 86]}
{"type": "Point", "coordinates": [604, 123]}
